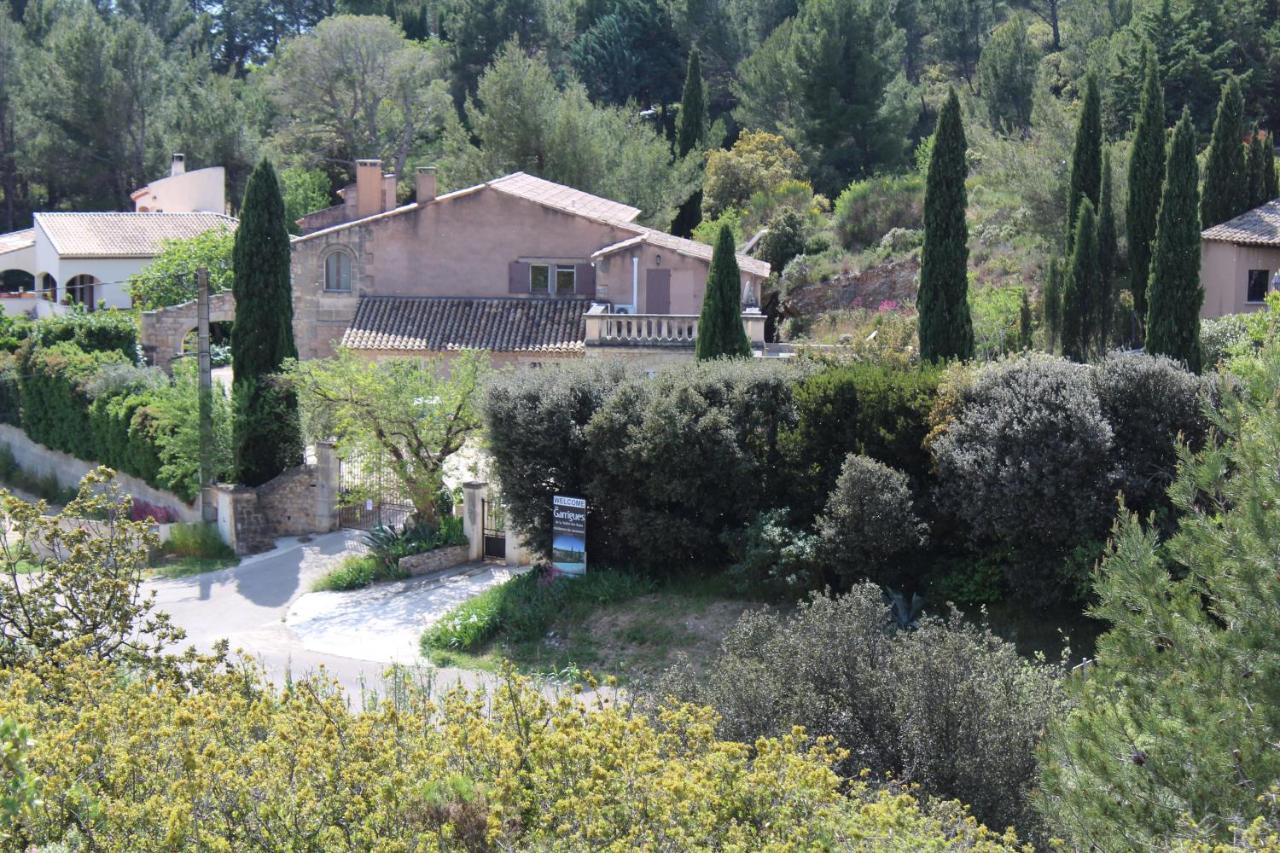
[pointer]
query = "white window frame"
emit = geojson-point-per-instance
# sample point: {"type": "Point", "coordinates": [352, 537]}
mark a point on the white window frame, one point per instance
{"type": "Point", "coordinates": [550, 276]}
{"type": "Point", "coordinates": [572, 270]}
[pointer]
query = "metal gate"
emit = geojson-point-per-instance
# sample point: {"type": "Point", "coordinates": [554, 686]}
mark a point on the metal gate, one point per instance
{"type": "Point", "coordinates": [494, 527]}
{"type": "Point", "coordinates": [368, 497]}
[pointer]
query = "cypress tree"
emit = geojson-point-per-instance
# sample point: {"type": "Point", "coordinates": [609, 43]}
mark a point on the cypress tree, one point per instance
{"type": "Point", "coordinates": [946, 330]}
{"type": "Point", "coordinates": [267, 434]}
{"type": "Point", "coordinates": [691, 123]}
{"type": "Point", "coordinates": [1255, 167]}
{"type": "Point", "coordinates": [1026, 323]}
{"type": "Point", "coordinates": [1226, 185]}
{"type": "Point", "coordinates": [1052, 303]}
{"type": "Point", "coordinates": [1270, 181]}
{"type": "Point", "coordinates": [1174, 294]}
{"type": "Point", "coordinates": [1108, 250]}
{"type": "Point", "coordinates": [1086, 157]}
{"type": "Point", "coordinates": [1146, 178]}
{"type": "Point", "coordinates": [720, 331]}
{"type": "Point", "coordinates": [1079, 294]}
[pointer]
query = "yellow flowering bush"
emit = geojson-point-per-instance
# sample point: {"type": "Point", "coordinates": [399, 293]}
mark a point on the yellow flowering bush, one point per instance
{"type": "Point", "coordinates": [146, 763]}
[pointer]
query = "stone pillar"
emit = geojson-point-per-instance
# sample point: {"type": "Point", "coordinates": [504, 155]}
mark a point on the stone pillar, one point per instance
{"type": "Point", "coordinates": [472, 520]}
{"type": "Point", "coordinates": [326, 497]}
{"type": "Point", "coordinates": [225, 496]}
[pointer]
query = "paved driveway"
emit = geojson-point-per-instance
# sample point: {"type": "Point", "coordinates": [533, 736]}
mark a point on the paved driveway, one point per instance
{"type": "Point", "coordinates": [264, 607]}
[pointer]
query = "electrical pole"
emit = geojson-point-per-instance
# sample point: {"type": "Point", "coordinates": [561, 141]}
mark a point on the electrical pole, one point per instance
{"type": "Point", "coordinates": [208, 511]}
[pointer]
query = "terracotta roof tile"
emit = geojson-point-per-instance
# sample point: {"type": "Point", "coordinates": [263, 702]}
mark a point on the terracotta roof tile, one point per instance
{"type": "Point", "coordinates": [15, 240]}
{"type": "Point", "coordinates": [123, 235]}
{"type": "Point", "coordinates": [440, 324]}
{"type": "Point", "coordinates": [564, 198]}
{"type": "Point", "coordinates": [682, 246]}
{"type": "Point", "coordinates": [1258, 227]}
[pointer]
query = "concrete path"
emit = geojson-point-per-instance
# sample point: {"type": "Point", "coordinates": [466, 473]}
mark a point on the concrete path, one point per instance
{"type": "Point", "coordinates": [353, 636]}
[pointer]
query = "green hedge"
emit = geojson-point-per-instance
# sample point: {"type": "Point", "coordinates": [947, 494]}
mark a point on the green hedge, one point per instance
{"type": "Point", "coordinates": [100, 331]}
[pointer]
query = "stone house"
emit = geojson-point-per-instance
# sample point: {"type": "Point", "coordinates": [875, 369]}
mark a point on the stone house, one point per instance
{"type": "Point", "coordinates": [1240, 261]}
{"type": "Point", "coordinates": [526, 268]}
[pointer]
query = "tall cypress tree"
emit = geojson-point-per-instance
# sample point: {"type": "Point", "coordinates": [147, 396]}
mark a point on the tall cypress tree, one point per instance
{"type": "Point", "coordinates": [1226, 184]}
{"type": "Point", "coordinates": [1146, 178]}
{"type": "Point", "coordinates": [1051, 301]}
{"type": "Point", "coordinates": [946, 329]}
{"type": "Point", "coordinates": [1174, 295]}
{"type": "Point", "coordinates": [1108, 252]}
{"type": "Point", "coordinates": [720, 331]}
{"type": "Point", "coordinates": [1255, 167]}
{"type": "Point", "coordinates": [691, 123]}
{"type": "Point", "coordinates": [1086, 157]}
{"type": "Point", "coordinates": [267, 434]}
{"type": "Point", "coordinates": [1270, 181]}
{"type": "Point", "coordinates": [1082, 286]}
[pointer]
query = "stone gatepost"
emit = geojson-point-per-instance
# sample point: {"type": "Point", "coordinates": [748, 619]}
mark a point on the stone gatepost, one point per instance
{"type": "Point", "coordinates": [473, 495]}
{"type": "Point", "coordinates": [326, 495]}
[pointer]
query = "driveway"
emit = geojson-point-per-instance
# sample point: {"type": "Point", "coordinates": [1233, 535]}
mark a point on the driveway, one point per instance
{"type": "Point", "coordinates": [264, 608]}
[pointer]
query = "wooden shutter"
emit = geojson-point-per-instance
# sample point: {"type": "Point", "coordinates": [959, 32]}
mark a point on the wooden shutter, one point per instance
{"type": "Point", "coordinates": [585, 280]}
{"type": "Point", "coordinates": [517, 277]}
{"type": "Point", "coordinates": [657, 291]}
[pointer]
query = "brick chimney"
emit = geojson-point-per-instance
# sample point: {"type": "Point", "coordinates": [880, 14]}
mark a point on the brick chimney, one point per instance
{"type": "Point", "coordinates": [179, 165]}
{"type": "Point", "coordinates": [370, 197]}
{"type": "Point", "coordinates": [426, 184]}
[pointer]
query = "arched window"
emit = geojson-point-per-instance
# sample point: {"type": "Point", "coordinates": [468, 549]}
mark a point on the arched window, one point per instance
{"type": "Point", "coordinates": [337, 272]}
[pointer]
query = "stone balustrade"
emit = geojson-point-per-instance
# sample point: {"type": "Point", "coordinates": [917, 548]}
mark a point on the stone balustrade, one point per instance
{"type": "Point", "coordinates": [657, 330]}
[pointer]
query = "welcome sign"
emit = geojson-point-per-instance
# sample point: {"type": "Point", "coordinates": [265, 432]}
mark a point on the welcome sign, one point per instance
{"type": "Point", "coordinates": [569, 534]}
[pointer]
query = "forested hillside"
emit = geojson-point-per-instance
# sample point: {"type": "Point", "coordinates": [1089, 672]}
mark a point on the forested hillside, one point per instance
{"type": "Point", "coordinates": [95, 95]}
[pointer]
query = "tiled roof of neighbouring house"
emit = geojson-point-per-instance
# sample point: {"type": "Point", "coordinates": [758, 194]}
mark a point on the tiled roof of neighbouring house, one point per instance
{"type": "Point", "coordinates": [680, 246]}
{"type": "Point", "coordinates": [561, 197]}
{"type": "Point", "coordinates": [1258, 227]}
{"type": "Point", "coordinates": [440, 324]}
{"type": "Point", "coordinates": [15, 240]}
{"type": "Point", "coordinates": [123, 235]}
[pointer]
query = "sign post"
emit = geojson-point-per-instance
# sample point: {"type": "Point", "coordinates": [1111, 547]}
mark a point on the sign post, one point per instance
{"type": "Point", "coordinates": [569, 534]}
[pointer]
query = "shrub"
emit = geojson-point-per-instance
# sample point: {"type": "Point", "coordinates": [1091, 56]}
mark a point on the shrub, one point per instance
{"type": "Point", "coordinates": [689, 454]}
{"type": "Point", "coordinates": [872, 409]}
{"type": "Point", "coordinates": [947, 706]}
{"type": "Point", "coordinates": [774, 556]}
{"type": "Point", "coordinates": [536, 424]}
{"type": "Point", "coordinates": [389, 545]}
{"type": "Point", "coordinates": [54, 398]}
{"type": "Point", "coordinates": [356, 572]}
{"type": "Point", "coordinates": [1024, 460]}
{"type": "Point", "coordinates": [525, 606]}
{"type": "Point", "coordinates": [10, 391]}
{"type": "Point", "coordinates": [1149, 401]}
{"type": "Point", "coordinates": [870, 528]}
{"type": "Point", "coordinates": [98, 331]}
{"type": "Point", "coordinates": [141, 510]}
{"type": "Point", "coordinates": [869, 209]}
{"type": "Point", "coordinates": [1223, 337]}
{"type": "Point", "coordinates": [196, 540]}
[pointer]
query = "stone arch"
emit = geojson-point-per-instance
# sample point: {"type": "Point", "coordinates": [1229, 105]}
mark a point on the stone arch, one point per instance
{"type": "Point", "coordinates": [336, 252]}
{"type": "Point", "coordinates": [162, 331]}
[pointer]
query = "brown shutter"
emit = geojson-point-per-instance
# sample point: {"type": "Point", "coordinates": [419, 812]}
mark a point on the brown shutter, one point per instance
{"type": "Point", "coordinates": [657, 291]}
{"type": "Point", "coordinates": [517, 277]}
{"type": "Point", "coordinates": [585, 280]}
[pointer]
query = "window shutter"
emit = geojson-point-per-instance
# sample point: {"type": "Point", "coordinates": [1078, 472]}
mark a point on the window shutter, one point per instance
{"type": "Point", "coordinates": [585, 279]}
{"type": "Point", "coordinates": [517, 277]}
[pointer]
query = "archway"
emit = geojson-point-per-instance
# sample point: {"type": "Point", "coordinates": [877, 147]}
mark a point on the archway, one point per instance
{"type": "Point", "coordinates": [17, 281]}
{"type": "Point", "coordinates": [48, 286]}
{"type": "Point", "coordinates": [81, 290]}
{"type": "Point", "coordinates": [219, 342]}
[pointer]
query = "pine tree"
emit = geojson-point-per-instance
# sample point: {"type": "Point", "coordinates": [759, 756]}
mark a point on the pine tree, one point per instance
{"type": "Point", "coordinates": [267, 435]}
{"type": "Point", "coordinates": [1051, 307]}
{"type": "Point", "coordinates": [1226, 185]}
{"type": "Point", "coordinates": [1146, 178]}
{"type": "Point", "coordinates": [720, 331]}
{"type": "Point", "coordinates": [691, 122]}
{"type": "Point", "coordinates": [946, 330]}
{"type": "Point", "coordinates": [1174, 293]}
{"type": "Point", "coordinates": [1082, 286]}
{"type": "Point", "coordinates": [1086, 158]}
{"type": "Point", "coordinates": [1108, 250]}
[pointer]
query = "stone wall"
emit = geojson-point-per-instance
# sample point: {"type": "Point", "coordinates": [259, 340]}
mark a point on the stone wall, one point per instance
{"type": "Point", "coordinates": [302, 500]}
{"type": "Point", "coordinates": [434, 561]}
{"type": "Point", "coordinates": [41, 461]}
{"type": "Point", "coordinates": [161, 332]}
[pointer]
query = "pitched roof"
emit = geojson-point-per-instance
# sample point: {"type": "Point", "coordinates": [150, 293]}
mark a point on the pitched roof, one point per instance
{"type": "Point", "coordinates": [1257, 227]}
{"type": "Point", "coordinates": [123, 235]}
{"type": "Point", "coordinates": [680, 246]}
{"type": "Point", "coordinates": [15, 240]}
{"type": "Point", "coordinates": [440, 324]}
{"type": "Point", "coordinates": [561, 197]}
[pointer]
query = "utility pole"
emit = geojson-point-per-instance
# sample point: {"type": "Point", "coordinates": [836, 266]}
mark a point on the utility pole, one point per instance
{"type": "Point", "coordinates": [208, 511]}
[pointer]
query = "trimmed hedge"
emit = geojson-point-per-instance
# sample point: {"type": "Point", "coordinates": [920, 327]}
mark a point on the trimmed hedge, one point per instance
{"type": "Point", "coordinates": [99, 331]}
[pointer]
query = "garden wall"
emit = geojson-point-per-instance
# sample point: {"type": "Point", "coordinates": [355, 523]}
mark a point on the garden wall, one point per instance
{"type": "Point", "coordinates": [41, 461]}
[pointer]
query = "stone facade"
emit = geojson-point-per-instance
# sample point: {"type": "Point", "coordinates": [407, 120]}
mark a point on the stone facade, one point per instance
{"type": "Point", "coordinates": [302, 500]}
{"type": "Point", "coordinates": [438, 560]}
{"type": "Point", "coordinates": [163, 331]}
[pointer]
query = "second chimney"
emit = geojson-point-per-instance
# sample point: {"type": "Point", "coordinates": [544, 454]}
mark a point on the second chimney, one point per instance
{"type": "Point", "coordinates": [426, 184]}
{"type": "Point", "coordinates": [369, 193]}
{"type": "Point", "coordinates": [179, 165]}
